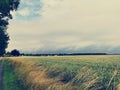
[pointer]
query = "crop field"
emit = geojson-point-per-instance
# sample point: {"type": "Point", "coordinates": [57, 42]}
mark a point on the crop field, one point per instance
{"type": "Point", "coordinates": [68, 72]}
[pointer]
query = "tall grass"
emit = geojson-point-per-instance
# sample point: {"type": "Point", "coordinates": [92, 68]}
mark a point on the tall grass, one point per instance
{"type": "Point", "coordinates": [11, 81]}
{"type": "Point", "coordinates": [69, 72]}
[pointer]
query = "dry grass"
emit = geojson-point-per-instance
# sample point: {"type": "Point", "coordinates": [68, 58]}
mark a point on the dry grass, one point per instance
{"type": "Point", "coordinates": [35, 78]}
{"type": "Point", "coordinates": [68, 73]}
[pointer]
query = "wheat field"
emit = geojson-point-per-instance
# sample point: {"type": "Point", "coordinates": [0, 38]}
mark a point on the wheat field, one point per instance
{"type": "Point", "coordinates": [69, 72]}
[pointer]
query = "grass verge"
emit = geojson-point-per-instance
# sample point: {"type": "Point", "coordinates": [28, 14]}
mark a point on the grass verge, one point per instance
{"type": "Point", "coordinates": [11, 81]}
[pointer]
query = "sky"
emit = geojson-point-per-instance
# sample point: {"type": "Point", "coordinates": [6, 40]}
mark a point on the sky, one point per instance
{"type": "Point", "coordinates": [66, 26]}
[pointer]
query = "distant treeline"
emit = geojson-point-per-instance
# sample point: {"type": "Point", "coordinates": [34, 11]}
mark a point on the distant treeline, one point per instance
{"type": "Point", "coordinates": [72, 54]}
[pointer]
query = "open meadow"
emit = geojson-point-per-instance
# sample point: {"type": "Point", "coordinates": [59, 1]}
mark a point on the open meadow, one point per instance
{"type": "Point", "coordinates": [68, 72]}
{"type": "Point", "coordinates": [59, 44]}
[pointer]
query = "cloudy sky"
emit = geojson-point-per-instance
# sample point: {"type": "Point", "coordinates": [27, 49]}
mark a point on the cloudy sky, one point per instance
{"type": "Point", "coordinates": [65, 26]}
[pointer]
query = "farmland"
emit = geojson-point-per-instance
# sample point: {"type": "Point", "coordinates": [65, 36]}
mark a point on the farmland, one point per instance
{"type": "Point", "coordinates": [68, 72]}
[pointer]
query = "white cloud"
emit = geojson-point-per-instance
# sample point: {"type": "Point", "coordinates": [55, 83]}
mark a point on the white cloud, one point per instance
{"type": "Point", "coordinates": [64, 23]}
{"type": "Point", "coordinates": [24, 12]}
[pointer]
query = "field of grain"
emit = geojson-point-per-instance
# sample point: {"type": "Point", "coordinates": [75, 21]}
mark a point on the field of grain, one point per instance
{"type": "Point", "coordinates": [69, 72]}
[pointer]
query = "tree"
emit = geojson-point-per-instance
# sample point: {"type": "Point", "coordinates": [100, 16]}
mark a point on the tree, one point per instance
{"type": "Point", "coordinates": [8, 54]}
{"type": "Point", "coordinates": [15, 52]}
{"type": "Point", "coordinates": [3, 41]}
{"type": "Point", "coordinates": [6, 6]}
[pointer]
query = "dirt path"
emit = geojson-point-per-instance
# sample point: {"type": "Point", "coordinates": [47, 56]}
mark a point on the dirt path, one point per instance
{"type": "Point", "coordinates": [1, 74]}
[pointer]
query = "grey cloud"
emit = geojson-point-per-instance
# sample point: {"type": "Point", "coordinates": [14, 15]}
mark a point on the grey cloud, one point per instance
{"type": "Point", "coordinates": [87, 49]}
{"type": "Point", "coordinates": [73, 26]}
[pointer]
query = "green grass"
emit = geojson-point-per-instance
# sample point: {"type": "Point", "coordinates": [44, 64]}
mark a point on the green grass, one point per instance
{"type": "Point", "coordinates": [82, 71]}
{"type": "Point", "coordinates": [11, 81]}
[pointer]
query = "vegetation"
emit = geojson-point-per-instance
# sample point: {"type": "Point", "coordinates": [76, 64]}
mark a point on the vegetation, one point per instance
{"type": "Point", "coordinates": [69, 72]}
{"type": "Point", "coordinates": [6, 6]}
{"type": "Point", "coordinates": [11, 81]}
{"type": "Point", "coordinates": [15, 52]}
